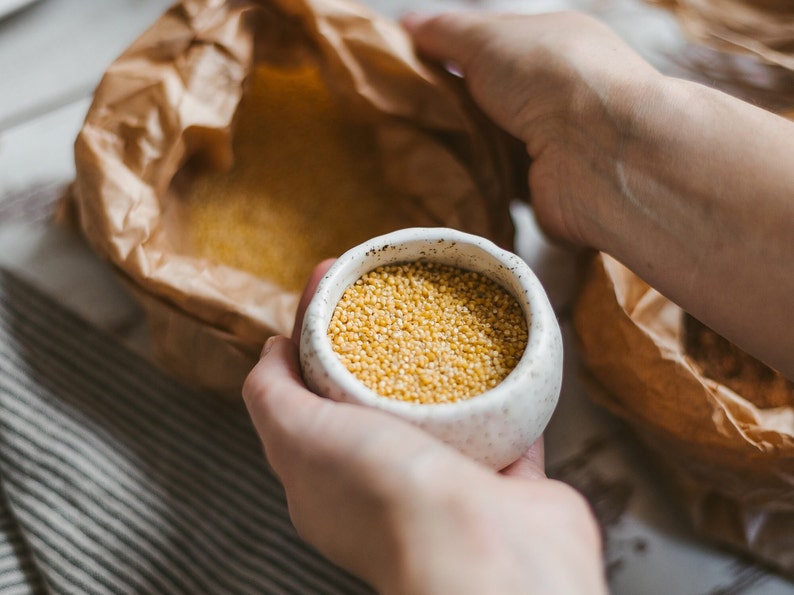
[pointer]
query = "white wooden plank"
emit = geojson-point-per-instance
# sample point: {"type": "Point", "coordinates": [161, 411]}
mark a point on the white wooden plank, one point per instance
{"type": "Point", "coordinates": [9, 7]}
{"type": "Point", "coordinates": [52, 54]}
{"type": "Point", "coordinates": [55, 51]}
{"type": "Point", "coordinates": [41, 150]}
{"type": "Point", "coordinates": [651, 31]}
{"type": "Point", "coordinates": [61, 264]}
{"type": "Point", "coordinates": [36, 163]}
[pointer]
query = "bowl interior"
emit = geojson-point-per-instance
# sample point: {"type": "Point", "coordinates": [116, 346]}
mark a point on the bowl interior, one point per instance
{"type": "Point", "coordinates": [442, 246]}
{"type": "Point", "coordinates": [471, 257]}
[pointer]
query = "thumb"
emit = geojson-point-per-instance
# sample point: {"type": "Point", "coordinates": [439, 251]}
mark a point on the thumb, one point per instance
{"type": "Point", "coordinates": [530, 465]}
{"type": "Point", "coordinates": [447, 38]}
{"type": "Point", "coordinates": [277, 400]}
{"type": "Point", "coordinates": [491, 52]}
{"type": "Point", "coordinates": [306, 297]}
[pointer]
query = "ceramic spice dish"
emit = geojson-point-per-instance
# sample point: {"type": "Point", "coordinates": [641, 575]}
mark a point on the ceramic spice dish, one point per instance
{"type": "Point", "coordinates": [494, 427]}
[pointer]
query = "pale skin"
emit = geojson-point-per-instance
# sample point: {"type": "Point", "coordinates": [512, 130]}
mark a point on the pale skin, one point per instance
{"type": "Point", "coordinates": [690, 188]}
{"type": "Point", "coordinates": [407, 513]}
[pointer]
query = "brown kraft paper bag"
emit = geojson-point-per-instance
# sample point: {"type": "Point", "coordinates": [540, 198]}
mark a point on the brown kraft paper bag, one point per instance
{"type": "Point", "coordinates": [184, 103]}
{"type": "Point", "coordinates": [720, 422]}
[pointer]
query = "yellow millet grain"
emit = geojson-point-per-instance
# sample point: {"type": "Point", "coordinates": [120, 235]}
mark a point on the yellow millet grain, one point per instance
{"type": "Point", "coordinates": [306, 183]}
{"type": "Point", "coordinates": [428, 333]}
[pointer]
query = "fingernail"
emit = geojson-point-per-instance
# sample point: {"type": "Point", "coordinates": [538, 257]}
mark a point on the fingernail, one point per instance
{"type": "Point", "coordinates": [268, 345]}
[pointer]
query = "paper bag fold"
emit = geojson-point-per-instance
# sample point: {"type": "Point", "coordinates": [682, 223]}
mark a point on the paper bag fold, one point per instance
{"type": "Point", "coordinates": [166, 108]}
{"type": "Point", "coordinates": [730, 458]}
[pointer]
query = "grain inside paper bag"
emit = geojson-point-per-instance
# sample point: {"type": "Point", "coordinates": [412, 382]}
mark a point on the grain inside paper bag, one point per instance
{"type": "Point", "coordinates": [306, 183]}
{"type": "Point", "coordinates": [235, 144]}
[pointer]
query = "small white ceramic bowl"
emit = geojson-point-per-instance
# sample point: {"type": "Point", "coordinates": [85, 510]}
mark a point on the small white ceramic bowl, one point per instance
{"type": "Point", "coordinates": [495, 427]}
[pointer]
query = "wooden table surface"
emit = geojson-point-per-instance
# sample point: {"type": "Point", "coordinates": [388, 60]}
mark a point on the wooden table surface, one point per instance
{"type": "Point", "coordinates": [52, 55]}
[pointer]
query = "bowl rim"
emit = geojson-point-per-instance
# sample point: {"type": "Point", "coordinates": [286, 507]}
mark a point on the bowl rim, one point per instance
{"type": "Point", "coordinates": [526, 289]}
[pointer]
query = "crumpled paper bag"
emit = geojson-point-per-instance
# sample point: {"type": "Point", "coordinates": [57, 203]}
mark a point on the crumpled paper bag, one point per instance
{"type": "Point", "coordinates": [170, 101]}
{"type": "Point", "coordinates": [761, 27]}
{"type": "Point", "coordinates": [744, 47]}
{"type": "Point", "coordinates": [729, 454]}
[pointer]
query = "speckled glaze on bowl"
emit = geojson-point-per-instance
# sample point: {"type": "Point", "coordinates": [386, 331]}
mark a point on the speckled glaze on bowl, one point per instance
{"type": "Point", "coordinates": [495, 427]}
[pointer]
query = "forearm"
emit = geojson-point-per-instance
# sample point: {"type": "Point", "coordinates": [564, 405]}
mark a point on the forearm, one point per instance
{"type": "Point", "coordinates": [690, 188]}
{"type": "Point", "coordinates": [703, 210]}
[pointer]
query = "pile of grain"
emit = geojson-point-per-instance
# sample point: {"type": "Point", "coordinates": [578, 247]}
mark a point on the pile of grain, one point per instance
{"type": "Point", "coordinates": [428, 333]}
{"type": "Point", "coordinates": [306, 183]}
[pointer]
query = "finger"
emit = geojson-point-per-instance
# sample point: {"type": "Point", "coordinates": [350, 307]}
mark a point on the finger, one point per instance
{"type": "Point", "coordinates": [448, 37]}
{"type": "Point", "coordinates": [531, 464]}
{"type": "Point", "coordinates": [306, 296]}
{"type": "Point", "coordinates": [301, 431]}
{"type": "Point", "coordinates": [277, 400]}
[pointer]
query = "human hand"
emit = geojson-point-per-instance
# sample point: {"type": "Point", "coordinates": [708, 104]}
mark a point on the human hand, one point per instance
{"type": "Point", "coordinates": [688, 187]}
{"type": "Point", "coordinates": [564, 84]}
{"type": "Point", "coordinates": [405, 512]}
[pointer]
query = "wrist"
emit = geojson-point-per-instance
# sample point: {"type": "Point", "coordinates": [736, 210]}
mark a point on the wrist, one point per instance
{"type": "Point", "coordinates": [661, 162]}
{"type": "Point", "coordinates": [436, 533]}
{"type": "Point", "coordinates": [578, 171]}
{"type": "Point", "coordinates": [617, 131]}
{"type": "Point", "coordinates": [504, 537]}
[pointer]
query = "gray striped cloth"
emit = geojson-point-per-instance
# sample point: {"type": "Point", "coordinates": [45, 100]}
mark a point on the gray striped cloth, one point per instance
{"type": "Point", "coordinates": [116, 479]}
